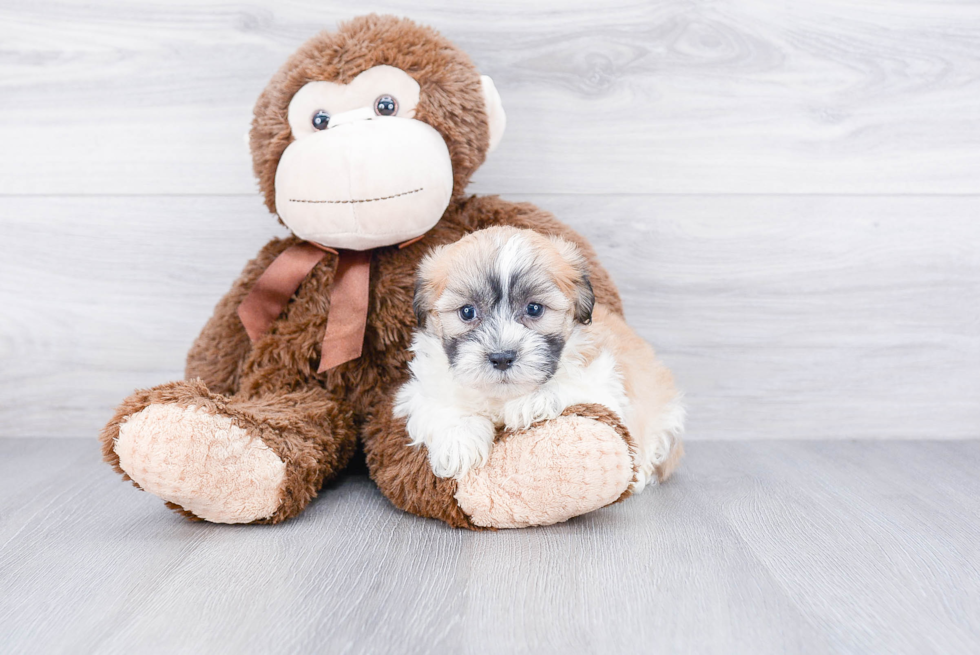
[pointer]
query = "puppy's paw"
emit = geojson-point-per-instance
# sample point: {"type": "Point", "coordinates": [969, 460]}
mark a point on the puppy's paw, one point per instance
{"type": "Point", "coordinates": [460, 446]}
{"type": "Point", "coordinates": [540, 405]}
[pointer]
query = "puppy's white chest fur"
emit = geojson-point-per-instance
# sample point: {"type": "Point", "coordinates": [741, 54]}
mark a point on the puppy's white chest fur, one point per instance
{"type": "Point", "coordinates": [458, 423]}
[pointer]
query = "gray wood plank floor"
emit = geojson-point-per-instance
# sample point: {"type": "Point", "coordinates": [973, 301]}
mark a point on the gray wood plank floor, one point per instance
{"type": "Point", "coordinates": [755, 547]}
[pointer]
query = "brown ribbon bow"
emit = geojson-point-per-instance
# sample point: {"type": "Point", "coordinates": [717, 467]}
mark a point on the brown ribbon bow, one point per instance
{"type": "Point", "coordinates": [343, 340]}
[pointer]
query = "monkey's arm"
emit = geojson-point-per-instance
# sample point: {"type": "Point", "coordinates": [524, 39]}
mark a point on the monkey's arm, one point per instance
{"type": "Point", "coordinates": [223, 345]}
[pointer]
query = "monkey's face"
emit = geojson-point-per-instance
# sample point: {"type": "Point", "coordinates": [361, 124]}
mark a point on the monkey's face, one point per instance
{"type": "Point", "coordinates": [362, 172]}
{"type": "Point", "coordinates": [367, 133]}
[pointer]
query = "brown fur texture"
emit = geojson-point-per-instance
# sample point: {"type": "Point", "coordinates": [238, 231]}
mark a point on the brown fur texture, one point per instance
{"type": "Point", "coordinates": [271, 388]}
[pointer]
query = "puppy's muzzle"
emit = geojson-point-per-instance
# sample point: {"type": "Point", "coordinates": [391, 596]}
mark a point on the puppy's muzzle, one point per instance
{"type": "Point", "coordinates": [503, 360]}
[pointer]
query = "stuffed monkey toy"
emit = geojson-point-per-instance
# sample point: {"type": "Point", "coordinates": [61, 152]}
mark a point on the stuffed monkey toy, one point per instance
{"type": "Point", "coordinates": [363, 144]}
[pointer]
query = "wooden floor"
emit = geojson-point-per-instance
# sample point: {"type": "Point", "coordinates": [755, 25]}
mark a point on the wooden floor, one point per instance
{"type": "Point", "coordinates": [755, 547]}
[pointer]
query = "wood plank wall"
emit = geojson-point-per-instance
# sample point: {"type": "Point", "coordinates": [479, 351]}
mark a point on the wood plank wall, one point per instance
{"type": "Point", "coordinates": [788, 194]}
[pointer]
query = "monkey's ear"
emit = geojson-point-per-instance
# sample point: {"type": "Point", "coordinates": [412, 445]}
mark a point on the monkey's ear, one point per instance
{"type": "Point", "coordinates": [496, 118]}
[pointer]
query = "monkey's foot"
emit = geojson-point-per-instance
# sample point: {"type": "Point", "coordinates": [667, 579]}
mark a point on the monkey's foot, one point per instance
{"type": "Point", "coordinates": [200, 461]}
{"type": "Point", "coordinates": [552, 471]}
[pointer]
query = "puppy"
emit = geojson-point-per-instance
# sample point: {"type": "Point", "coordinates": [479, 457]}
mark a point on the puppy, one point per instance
{"type": "Point", "coordinates": [510, 335]}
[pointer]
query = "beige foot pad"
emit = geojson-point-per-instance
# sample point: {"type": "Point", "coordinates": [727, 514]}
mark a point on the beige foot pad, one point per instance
{"type": "Point", "coordinates": [559, 469]}
{"type": "Point", "coordinates": [202, 462]}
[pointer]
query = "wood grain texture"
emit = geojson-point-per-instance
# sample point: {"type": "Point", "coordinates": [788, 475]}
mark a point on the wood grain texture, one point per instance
{"type": "Point", "coordinates": [744, 96]}
{"type": "Point", "coordinates": [755, 547]}
{"type": "Point", "coordinates": [782, 317]}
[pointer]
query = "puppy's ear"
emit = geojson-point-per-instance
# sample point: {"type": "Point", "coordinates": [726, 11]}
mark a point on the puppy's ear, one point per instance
{"type": "Point", "coordinates": [425, 281]}
{"type": "Point", "coordinates": [420, 303]}
{"type": "Point", "coordinates": [584, 300]}
{"type": "Point", "coordinates": [576, 280]}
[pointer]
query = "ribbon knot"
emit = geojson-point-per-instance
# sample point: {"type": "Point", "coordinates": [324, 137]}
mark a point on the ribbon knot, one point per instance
{"type": "Point", "coordinates": [343, 339]}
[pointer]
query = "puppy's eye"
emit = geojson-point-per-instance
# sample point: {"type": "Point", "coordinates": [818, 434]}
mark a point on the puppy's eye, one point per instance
{"type": "Point", "coordinates": [385, 106]}
{"type": "Point", "coordinates": [534, 310]}
{"type": "Point", "coordinates": [320, 120]}
{"type": "Point", "coordinates": [467, 313]}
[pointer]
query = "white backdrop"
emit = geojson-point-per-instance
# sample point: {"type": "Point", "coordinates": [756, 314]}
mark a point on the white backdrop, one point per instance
{"type": "Point", "coordinates": [788, 195]}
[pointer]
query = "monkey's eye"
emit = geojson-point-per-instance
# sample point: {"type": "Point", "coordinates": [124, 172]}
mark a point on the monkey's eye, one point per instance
{"type": "Point", "coordinates": [385, 106]}
{"type": "Point", "coordinates": [467, 313]}
{"type": "Point", "coordinates": [534, 310]}
{"type": "Point", "coordinates": [321, 119]}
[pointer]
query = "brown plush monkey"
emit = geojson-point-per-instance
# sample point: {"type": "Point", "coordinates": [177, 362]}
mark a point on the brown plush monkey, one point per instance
{"type": "Point", "coordinates": [362, 142]}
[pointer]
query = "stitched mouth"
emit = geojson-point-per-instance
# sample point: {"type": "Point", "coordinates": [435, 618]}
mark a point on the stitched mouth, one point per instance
{"type": "Point", "coordinates": [351, 202]}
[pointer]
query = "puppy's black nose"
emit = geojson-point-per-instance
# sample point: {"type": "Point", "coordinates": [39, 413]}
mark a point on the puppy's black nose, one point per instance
{"type": "Point", "coordinates": [503, 360]}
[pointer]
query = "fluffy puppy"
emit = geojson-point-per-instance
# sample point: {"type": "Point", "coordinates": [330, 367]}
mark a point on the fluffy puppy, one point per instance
{"type": "Point", "coordinates": [510, 335]}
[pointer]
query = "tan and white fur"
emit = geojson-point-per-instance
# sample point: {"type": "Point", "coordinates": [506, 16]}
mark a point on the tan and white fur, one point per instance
{"type": "Point", "coordinates": [509, 336]}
